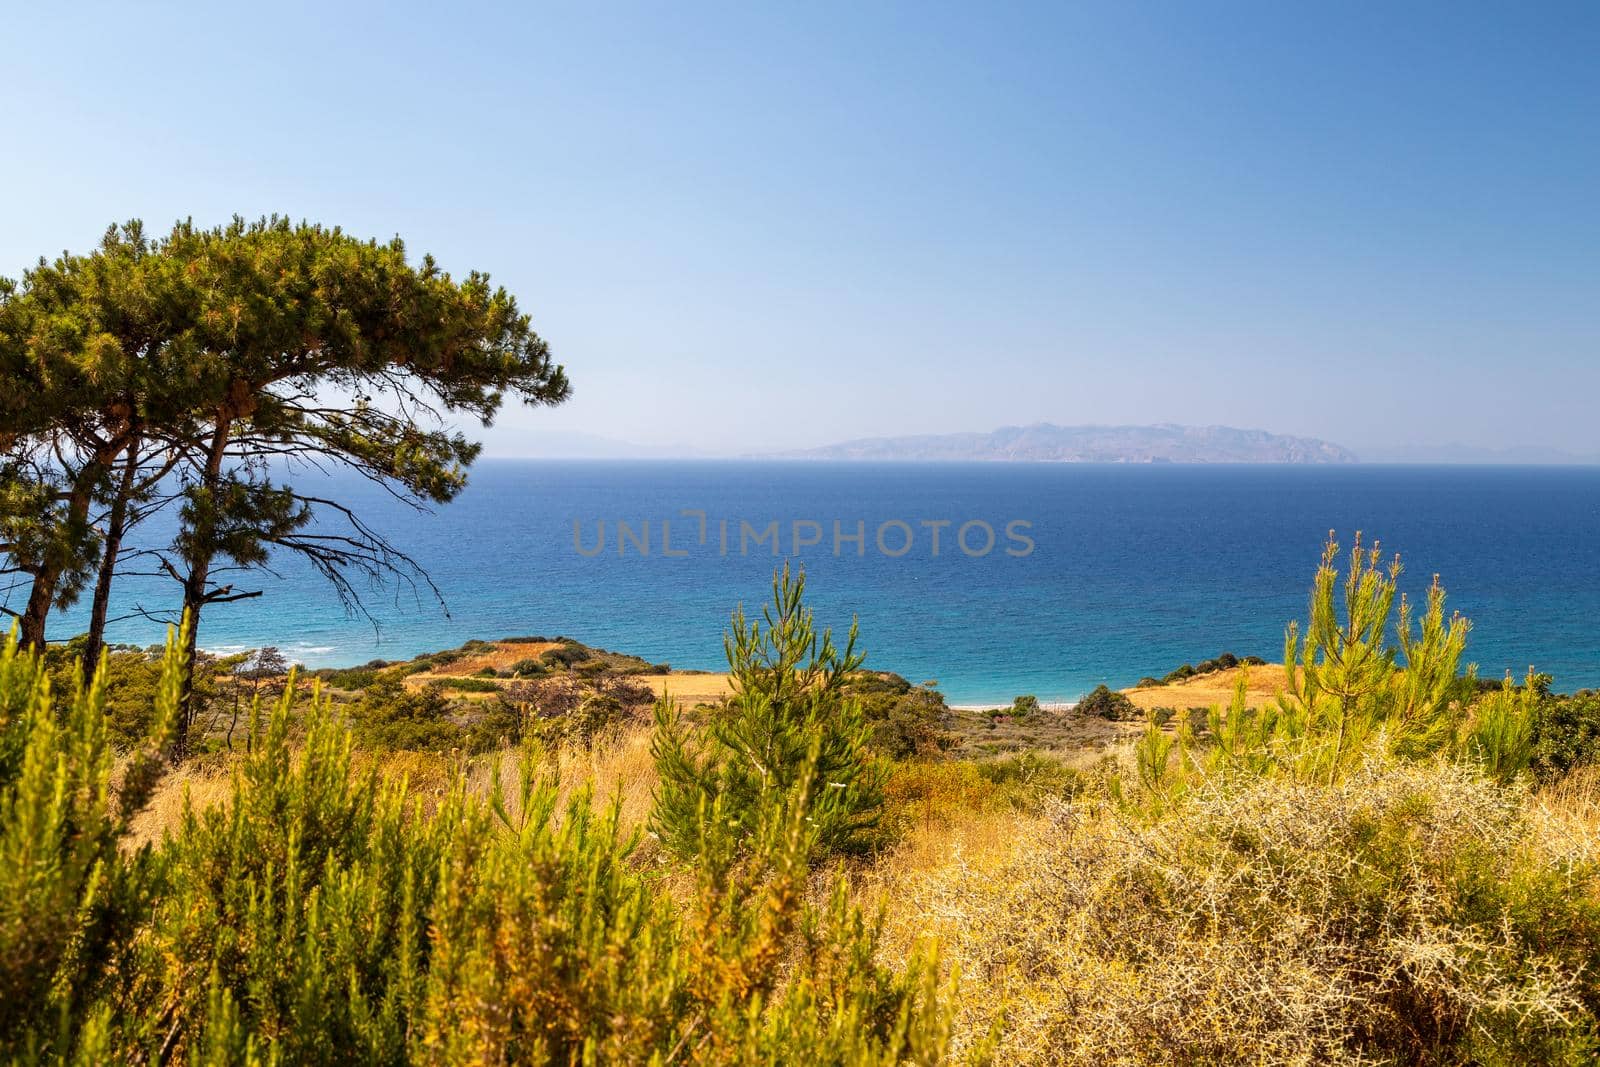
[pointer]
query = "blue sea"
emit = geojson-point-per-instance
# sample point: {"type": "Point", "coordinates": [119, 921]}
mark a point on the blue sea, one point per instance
{"type": "Point", "coordinates": [1094, 574]}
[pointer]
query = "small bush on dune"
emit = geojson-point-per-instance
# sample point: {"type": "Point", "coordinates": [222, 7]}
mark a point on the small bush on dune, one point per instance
{"type": "Point", "coordinates": [563, 655]}
{"type": "Point", "coordinates": [1107, 704]}
{"type": "Point", "coordinates": [1224, 662]}
{"type": "Point", "coordinates": [527, 668]}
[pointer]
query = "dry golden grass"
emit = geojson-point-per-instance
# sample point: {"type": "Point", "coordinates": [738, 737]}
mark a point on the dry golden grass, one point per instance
{"type": "Point", "coordinates": [1565, 818]}
{"type": "Point", "coordinates": [203, 786]}
{"type": "Point", "coordinates": [615, 765]}
{"type": "Point", "coordinates": [687, 690]}
{"type": "Point", "coordinates": [1263, 685]}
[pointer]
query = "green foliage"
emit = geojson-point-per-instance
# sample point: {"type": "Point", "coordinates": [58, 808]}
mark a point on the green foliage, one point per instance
{"type": "Point", "coordinates": [527, 668]}
{"type": "Point", "coordinates": [905, 721]}
{"type": "Point", "coordinates": [1224, 662]}
{"type": "Point", "coordinates": [1566, 735]}
{"type": "Point", "coordinates": [132, 681]}
{"type": "Point", "coordinates": [1030, 777]}
{"type": "Point", "coordinates": [392, 715]}
{"type": "Point", "coordinates": [1107, 704]}
{"type": "Point", "coordinates": [563, 655]}
{"type": "Point", "coordinates": [353, 678]}
{"type": "Point", "coordinates": [317, 915]}
{"type": "Point", "coordinates": [1351, 695]}
{"type": "Point", "coordinates": [70, 900]}
{"type": "Point", "coordinates": [466, 685]}
{"type": "Point", "coordinates": [1500, 730]}
{"type": "Point", "coordinates": [191, 363]}
{"type": "Point", "coordinates": [788, 729]}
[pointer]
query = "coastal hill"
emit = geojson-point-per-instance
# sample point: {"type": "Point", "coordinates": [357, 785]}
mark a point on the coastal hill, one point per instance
{"type": "Point", "coordinates": [1047, 443]}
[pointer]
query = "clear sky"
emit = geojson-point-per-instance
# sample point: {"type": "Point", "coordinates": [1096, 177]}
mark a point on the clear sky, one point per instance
{"type": "Point", "coordinates": [750, 226]}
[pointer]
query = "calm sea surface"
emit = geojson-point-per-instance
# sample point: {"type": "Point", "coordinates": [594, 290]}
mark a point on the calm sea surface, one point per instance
{"type": "Point", "coordinates": [1132, 571]}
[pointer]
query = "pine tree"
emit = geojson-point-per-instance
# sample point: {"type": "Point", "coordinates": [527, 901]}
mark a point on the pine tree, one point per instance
{"type": "Point", "coordinates": [788, 724]}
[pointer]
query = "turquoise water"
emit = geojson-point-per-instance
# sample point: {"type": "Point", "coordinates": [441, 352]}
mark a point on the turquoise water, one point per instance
{"type": "Point", "coordinates": [1133, 569]}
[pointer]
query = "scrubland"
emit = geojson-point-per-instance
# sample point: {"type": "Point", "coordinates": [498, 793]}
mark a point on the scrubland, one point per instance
{"type": "Point", "coordinates": [1369, 857]}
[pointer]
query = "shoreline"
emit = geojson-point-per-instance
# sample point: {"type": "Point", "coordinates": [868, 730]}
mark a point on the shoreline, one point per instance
{"type": "Point", "coordinates": [1044, 705]}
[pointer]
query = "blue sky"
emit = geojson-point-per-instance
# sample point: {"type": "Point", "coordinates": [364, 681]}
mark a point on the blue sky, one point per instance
{"type": "Point", "coordinates": [750, 227]}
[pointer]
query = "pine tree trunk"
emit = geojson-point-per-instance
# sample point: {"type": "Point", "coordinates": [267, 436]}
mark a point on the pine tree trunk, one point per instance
{"type": "Point", "coordinates": [116, 526]}
{"type": "Point", "coordinates": [46, 579]}
{"type": "Point", "coordinates": [194, 585]}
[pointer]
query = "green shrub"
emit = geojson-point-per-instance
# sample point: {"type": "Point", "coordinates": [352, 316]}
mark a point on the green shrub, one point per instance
{"type": "Point", "coordinates": [1351, 696]}
{"type": "Point", "coordinates": [352, 678]}
{"type": "Point", "coordinates": [1162, 716]}
{"type": "Point", "coordinates": [1106, 704]}
{"type": "Point", "coordinates": [392, 715]}
{"type": "Point", "coordinates": [912, 725]}
{"type": "Point", "coordinates": [904, 721]}
{"type": "Point", "coordinates": [526, 668]}
{"type": "Point", "coordinates": [71, 901]}
{"type": "Point", "coordinates": [1029, 778]}
{"type": "Point", "coordinates": [479, 684]}
{"type": "Point", "coordinates": [1223, 662]}
{"type": "Point", "coordinates": [1566, 734]}
{"type": "Point", "coordinates": [319, 916]}
{"type": "Point", "coordinates": [564, 656]}
{"type": "Point", "coordinates": [1024, 706]}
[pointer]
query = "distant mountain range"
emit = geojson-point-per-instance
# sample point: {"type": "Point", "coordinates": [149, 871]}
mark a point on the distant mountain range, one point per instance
{"type": "Point", "coordinates": [1046, 443]}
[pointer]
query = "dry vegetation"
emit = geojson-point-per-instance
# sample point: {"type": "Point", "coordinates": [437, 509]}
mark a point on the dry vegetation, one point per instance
{"type": "Point", "coordinates": [1281, 922]}
{"type": "Point", "coordinates": [1365, 864]}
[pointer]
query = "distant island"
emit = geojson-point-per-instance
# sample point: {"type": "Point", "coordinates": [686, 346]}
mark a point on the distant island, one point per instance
{"type": "Point", "coordinates": [1047, 443]}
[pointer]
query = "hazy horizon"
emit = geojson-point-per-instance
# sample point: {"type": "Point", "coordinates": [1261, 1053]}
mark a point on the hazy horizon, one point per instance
{"type": "Point", "coordinates": [546, 444]}
{"type": "Point", "coordinates": [749, 230]}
